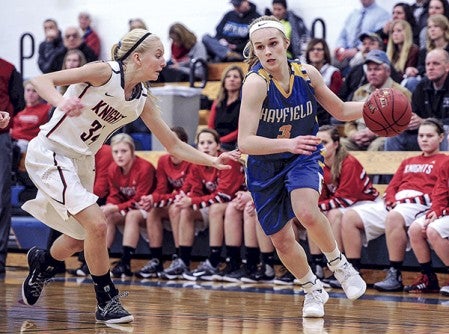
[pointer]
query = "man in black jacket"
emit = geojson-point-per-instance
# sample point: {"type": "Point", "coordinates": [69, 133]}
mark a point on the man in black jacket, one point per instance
{"type": "Point", "coordinates": [232, 33]}
{"type": "Point", "coordinates": [429, 99]}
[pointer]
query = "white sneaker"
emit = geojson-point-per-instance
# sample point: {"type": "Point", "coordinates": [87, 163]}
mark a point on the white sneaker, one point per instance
{"type": "Point", "coordinates": [314, 301]}
{"type": "Point", "coordinates": [353, 285]}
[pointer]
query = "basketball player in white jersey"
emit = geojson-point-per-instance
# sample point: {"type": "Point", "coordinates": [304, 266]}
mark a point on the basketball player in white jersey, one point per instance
{"type": "Point", "coordinates": [102, 97]}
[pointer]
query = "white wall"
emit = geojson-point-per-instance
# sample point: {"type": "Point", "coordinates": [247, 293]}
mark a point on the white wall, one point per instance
{"type": "Point", "coordinates": [110, 19]}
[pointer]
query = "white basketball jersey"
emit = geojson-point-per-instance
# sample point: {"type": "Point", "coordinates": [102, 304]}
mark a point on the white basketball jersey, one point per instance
{"type": "Point", "coordinates": [105, 110]}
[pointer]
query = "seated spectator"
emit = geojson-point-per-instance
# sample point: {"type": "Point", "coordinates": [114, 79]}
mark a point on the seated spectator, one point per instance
{"type": "Point", "coordinates": [407, 196]}
{"type": "Point", "coordinates": [401, 11]}
{"type": "Point", "coordinates": [73, 59]}
{"type": "Point", "coordinates": [437, 38]}
{"type": "Point", "coordinates": [370, 18]}
{"type": "Point", "coordinates": [224, 113]}
{"type": "Point", "coordinates": [430, 99]}
{"type": "Point", "coordinates": [90, 37]}
{"type": "Point", "coordinates": [232, 33]}
{"type": "Point", "coordinates": [420, 9]}
{"type": "Point", "coordinates": [440, 7]}
{"type": "Point", "coordinates": [296, 30]}
{"type": "Point", "coordinates": [358, 135]}
{"type": "Point", "coordinates": [318, 55]}
{"type": "Point", "coordinates": [345, 185]}
{"type": "Point", "coordinates": [50, 46]}
{"type": "Point", "coordinates": [72, 40]}
{"type": "Point", "coordinates": [171, 174]}
{"type": "Point", "coordinates": [201, 204]}
{"type": "Point", "coordinates": [130, 178]}
{"type": "Point", "coordinates": [137, 23]}
{"type": "Point", "coordinates": [356, 76]}
{"type": "Point", "coordinates": [184, 49]}
{"type": "Point", "coordinates": [241, 224]}
{"type": "Point", "coordinates": [400, 48]}
{"type": "Point", "coordinates": [431, 232]}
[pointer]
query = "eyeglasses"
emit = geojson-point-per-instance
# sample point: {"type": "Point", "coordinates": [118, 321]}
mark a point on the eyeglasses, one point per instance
{"type": "Point", "coordinates": [72, 35]}
{"type": "Point", "coordinates": [317, 49]}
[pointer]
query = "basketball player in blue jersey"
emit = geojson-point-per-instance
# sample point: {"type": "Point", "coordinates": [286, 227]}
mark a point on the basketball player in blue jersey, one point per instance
{"type": "Point", "coordinates": [277, 129]}
{"type": "Point", "coordinates": [101, 98]}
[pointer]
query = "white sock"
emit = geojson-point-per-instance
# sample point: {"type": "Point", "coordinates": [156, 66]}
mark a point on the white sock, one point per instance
{"type": "Point", "coordinates": [333, 256]}
{"type": "Point", "coordinates": [308, 281]}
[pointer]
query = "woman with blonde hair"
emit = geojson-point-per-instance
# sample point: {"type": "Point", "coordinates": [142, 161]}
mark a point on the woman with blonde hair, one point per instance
{"type": "Point", "coordinates": [101, 98]}
{"type": "Point", "coordinates": [400, 48]}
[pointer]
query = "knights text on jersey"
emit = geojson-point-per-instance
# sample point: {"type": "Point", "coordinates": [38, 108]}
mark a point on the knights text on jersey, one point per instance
{"type": "Point", "coordinates": [105, 110]}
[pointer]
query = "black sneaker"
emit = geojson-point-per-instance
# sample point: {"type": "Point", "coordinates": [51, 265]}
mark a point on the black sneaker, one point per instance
{"type": "Point", "coordinates": [285, 278]}
{"type": "Point", "coordinates": [150, 270]}
{"type": "Point", "coordinates": [113, 312]}
{"type": "Point", "coordinates": [235, 276]}
{"type": "Point", "coordinates": [82, 271]}
{"type": "Point", "coordinates": [176, 269]}
{"type": "Point", "coordinates": [424, 284]}
{"type": "Point", "coordinates": [263, 274]}
{"type": "Point", "coordinates": [121, 270]}
{"type": "Point", "coordinates": [37, 277]}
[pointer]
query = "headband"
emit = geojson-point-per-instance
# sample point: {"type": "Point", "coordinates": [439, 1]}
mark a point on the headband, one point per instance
{"type": "Point", "coordinates": [134, 46]}
{"type": "Point", "coordinates": [267, 24]}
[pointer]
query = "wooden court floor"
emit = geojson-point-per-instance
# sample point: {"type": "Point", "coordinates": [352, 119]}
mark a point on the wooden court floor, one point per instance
{"type": "Point", "coordinates": [67, 306]}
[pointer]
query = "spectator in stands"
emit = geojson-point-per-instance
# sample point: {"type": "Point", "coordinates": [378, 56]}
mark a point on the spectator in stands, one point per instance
{"type": "Point", "coordinates": [358, 135]}
{"type": "Point", "coordinates": [11, 102]}
{"type": "Point", "coordinates": [401, 11]}
{"type": "Point", "coordinates": [201, 203]}
{"type": "Point", "coordinates": [370, 18]}
{"type": "Point", "coordinates": [90, 37]}
{"type": "Point", "coordinates": [72, 40]}
{"type": "Point", "coordinates": [170, 178]}
{"type": "Point", "coordinates": [356, 76]}
{"type": "Point", "coordinates": [185, 48]}
{"type": "Point", "coordinates": [72, 59]}
{"type": "Point", "coordinates": [50, 46]}
{"type": "Point", "coordinates": [401, 51]}
{"type": "Point", "coordinates": [345, 185]}
{"type": "Point", "coordinates": [224, 113]}
{"type": "Point", "coordinates": [137, 23]}
{"type": "Point", "coordinates": [296, 29]}
{"type": "Point", "coordinates": [318, 55]}
{"type": "Point", "coordinates": [241, 224]}
{"type": "Point", "coordinates": [27, 122]}
{"type": "Point", "coordinates": [231, 33]}
{"type": "Point", "coordinates": [407, 196]}
{"type": "Point", "coordinates": [437, 37]}
{"type": "Point", "coordinates": [431, 232]}
{"type": "Point", "coordinates": [435, 7]}
{"type": "Point", "coordinates": [430, 99]}
{"type": "Point", "coordinates": [420, 10]}
{"type": "Point", "coordinates": [129, 178]}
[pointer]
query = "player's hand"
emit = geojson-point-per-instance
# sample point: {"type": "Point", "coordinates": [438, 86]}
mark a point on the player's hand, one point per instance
{"type": "Point", "coordinates": [71, 106]}
{"type": "Point", "coordinates": [220, 162]}
{"type": "Point", "coordinates": [304, 144]}
{"type": "Point", "coordinates": [4, 119]}
{"type": "Point", "coordinates": [146, 202]}
{"type": "Point", "coordinates": [415, 122]}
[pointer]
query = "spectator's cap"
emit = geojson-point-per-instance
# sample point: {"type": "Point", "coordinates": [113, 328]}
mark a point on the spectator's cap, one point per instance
{"type": "Point", "coordinates": [372, 35]}
{"type": "Point", "coordinates": [378, 57]}
{"type": "Point", "coordinates": [236, 2]}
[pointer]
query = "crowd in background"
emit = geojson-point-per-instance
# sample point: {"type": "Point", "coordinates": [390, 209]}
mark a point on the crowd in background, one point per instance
{"type": "Point", "coordinates": [406, 50]}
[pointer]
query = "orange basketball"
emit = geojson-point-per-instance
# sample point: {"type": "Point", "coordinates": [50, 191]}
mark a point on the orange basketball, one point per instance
{"type": "Point", "coordinates": [387, 112]}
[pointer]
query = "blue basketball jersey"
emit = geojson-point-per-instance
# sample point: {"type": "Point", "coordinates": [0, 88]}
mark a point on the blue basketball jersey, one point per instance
{"type": "Point", "coordinates": [287, 115]}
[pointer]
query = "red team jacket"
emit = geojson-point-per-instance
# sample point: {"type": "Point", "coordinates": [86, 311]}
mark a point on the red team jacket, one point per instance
{"type": "Point", "coordinates": [126, 190]}
{"type": "Point", "coordinates": [103, 160]}
{"type": "Point", "coordinates": [26, 123]}
{"type": "Point", "coordinates": [440, 194]}
{"type": "Point", "coordinates": [170, 178]}
{"type": "Point", "coordinates": [353, 185]}
{"type": "Point", "coordinates": [416, 173]}
{"type": "Point", "coordinates": [208, 185]}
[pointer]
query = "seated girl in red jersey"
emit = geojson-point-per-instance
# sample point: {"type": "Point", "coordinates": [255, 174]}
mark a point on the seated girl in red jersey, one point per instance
{"type": "Point", "coordinates": [407, 197]}
{"type": "Point", "coordinates": [170, 176]}
{"type": "Point", "coordinates": [203, 200]}
{"type": "Point", "coordinates": [129, 178]}
{"type": "Point", "coordinates": [345, 184]}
